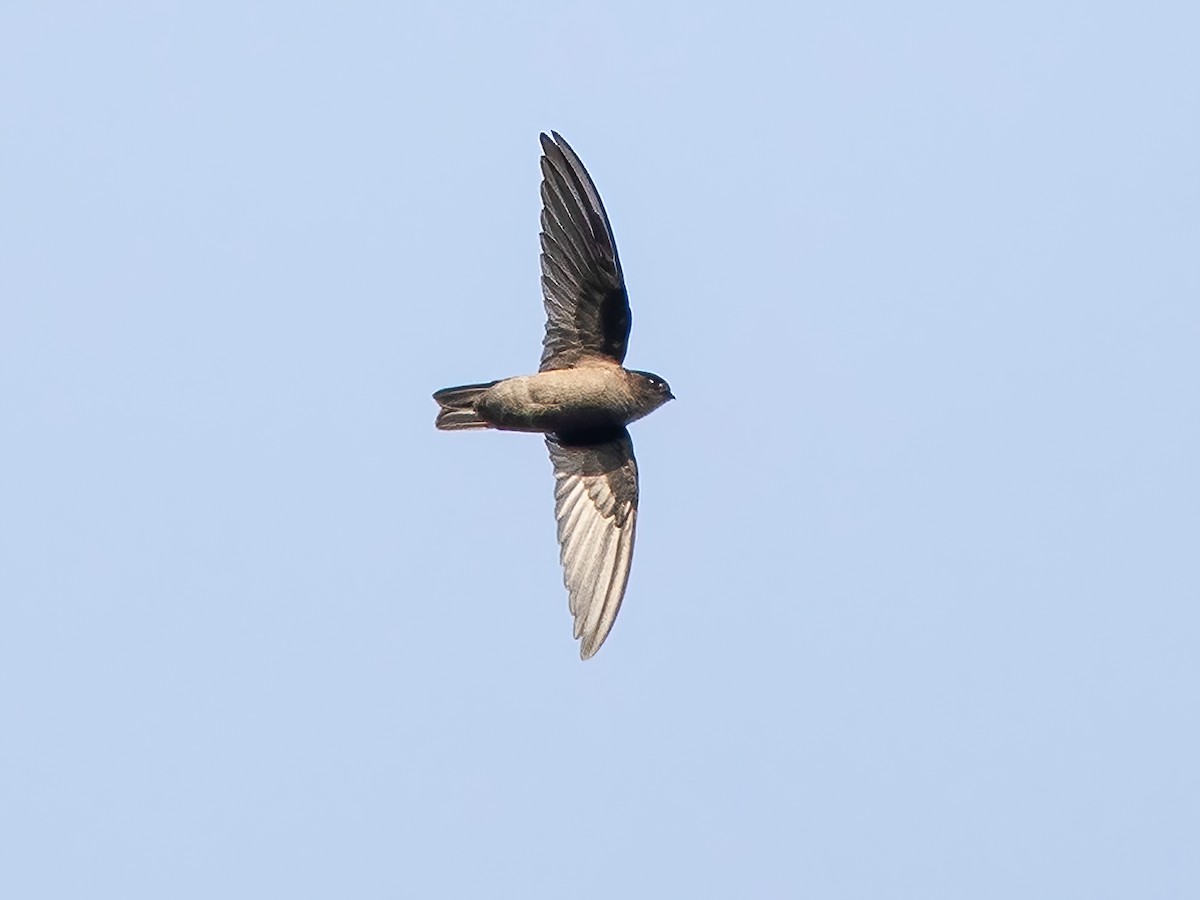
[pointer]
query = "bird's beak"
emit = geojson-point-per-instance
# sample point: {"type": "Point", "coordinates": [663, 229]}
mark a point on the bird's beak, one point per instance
{"type": "Point", "coordinates": [670, 396]}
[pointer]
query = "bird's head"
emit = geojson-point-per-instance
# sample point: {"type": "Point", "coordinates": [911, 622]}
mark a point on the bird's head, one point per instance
{"type": "Point", "coordinates": [654, 391]}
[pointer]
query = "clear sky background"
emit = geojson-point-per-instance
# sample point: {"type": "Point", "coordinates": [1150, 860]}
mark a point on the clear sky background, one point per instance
{"type": "Point", "coordinates": [915, 608]}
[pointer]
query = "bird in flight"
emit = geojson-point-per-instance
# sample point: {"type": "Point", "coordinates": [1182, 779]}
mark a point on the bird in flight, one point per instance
{"type": "Point", "coordinates": [581, 398]}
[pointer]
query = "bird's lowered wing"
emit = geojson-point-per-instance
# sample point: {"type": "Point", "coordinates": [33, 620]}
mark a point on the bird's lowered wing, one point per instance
{"type": "Point", "coordinates": [595, 503]}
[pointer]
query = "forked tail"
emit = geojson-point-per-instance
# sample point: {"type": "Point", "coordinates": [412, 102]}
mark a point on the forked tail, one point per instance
{"type": "Point", "coordinates": [457, 404]}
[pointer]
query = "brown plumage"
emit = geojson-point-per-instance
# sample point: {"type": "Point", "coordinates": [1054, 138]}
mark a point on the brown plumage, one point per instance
{"type": "Point", "coordinates": [581, 398]}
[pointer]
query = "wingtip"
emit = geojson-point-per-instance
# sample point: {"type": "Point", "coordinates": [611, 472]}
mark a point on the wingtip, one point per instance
{"type": "Point", "coordinates": [592, 642]}
{"type": "Point", "coordinates": [555, 141]}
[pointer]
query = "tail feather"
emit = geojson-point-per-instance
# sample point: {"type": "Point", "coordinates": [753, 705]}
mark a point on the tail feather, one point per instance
{"type": "Point", "coordinates": [457, 404]}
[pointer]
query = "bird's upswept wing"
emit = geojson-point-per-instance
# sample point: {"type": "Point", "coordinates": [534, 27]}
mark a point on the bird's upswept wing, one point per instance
{"type": "Point", "coordinates": [587, 306]}
{"type": "Point", "coordinates": [595, 503]}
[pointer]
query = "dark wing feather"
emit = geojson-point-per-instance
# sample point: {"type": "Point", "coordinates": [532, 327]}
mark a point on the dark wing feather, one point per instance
{"type": "Point", "coordinates": [587, 306]}
{"type": "Point", "coordinates": [595, 503]}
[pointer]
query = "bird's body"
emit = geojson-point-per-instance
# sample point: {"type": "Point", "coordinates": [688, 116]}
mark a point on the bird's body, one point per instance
{"type": "Point", "coordinates": [581, 398]}
{"type": "Point", "coordinates": [591, 396]}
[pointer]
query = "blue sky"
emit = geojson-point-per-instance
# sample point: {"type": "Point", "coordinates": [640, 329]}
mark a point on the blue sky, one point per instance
{"type": "Point", "coordinates": [914, 608]}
